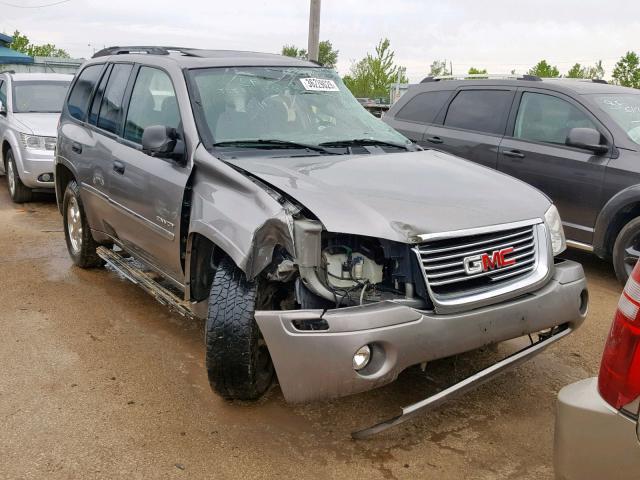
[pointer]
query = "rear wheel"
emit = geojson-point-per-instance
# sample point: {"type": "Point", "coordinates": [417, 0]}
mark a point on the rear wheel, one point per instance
{"type": "Point", "coordinates": [626, 250]}
{"type": "Point", "coordinates": [238, 362]}
{"type": "Point", "coordinates": [80, 243]}
{"type": "Point", "coordinates": [19, 193]}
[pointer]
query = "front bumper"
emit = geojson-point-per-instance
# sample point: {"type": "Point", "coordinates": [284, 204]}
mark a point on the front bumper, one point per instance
{"type": "Point", "coordinates": [317, 364]}
{"type": "Point", "coordinates": [592, 439]}
{"type": "Point", "coordinates": [34, 164]}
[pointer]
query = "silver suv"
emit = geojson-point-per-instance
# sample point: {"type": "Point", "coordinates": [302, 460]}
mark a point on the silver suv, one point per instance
{"type": "Point", "coordinates": [319, 244]}
{"type": "Point", "coordinates": [30, 105]}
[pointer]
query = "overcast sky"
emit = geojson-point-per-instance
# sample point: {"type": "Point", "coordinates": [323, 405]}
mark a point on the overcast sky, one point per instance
{"type": "Point", "coordinates": [499, 35]}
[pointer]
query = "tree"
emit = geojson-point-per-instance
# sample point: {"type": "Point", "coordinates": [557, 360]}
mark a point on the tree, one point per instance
{"type": "Point", "coordinates": [438, 68]}
{"type": "Point", "coordinates": [544, 70]}
{"type": "Point", "coordinates": [578, 71]}
{"type": "Point", "coordinates": [373, 75]}
{"type": "Point", "coordinates": [627, 71]}
{"type": "Point", "coordinates": [327, 56]}
{"type": "Point", "coordinates": [21, 44]}
{"type": "Point", "coordinates": [477, 71]}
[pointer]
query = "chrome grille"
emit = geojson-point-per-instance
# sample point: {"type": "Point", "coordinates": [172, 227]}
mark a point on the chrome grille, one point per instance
{"type": "Point", "coordinates": [443, 261]}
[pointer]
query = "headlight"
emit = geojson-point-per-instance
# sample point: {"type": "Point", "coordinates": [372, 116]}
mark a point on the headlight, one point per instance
{"type": "Point", "coordinates": [36, 142]}
{"type": "Point", "coordinates": [554, 224]}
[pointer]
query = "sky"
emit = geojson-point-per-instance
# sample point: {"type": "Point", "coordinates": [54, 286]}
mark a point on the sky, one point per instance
{"type": "Point", "coordinates": [499, 35]}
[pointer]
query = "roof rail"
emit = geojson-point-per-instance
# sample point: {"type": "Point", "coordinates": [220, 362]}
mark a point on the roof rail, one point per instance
{"type": "Point", "coordinates": [590, 80]}
{"type": "Point", "coordinates": [135, 49]}
{"type": "Point", "coordinates": [481, 76]}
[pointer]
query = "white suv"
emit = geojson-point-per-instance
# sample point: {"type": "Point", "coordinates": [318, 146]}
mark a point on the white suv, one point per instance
{"type": "Point", "coordinates": [30, 105]}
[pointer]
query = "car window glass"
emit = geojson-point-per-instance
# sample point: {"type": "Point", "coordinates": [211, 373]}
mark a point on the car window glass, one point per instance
{"type": "Point", "coordinates": [3, 93]}
{"type": "Point", "coordinates": [82, 89]}
{"type": "Point", "coordinates": [111, 106]}
{"type": "Point", "coordinates": [545, 118]}
{"type": "Point", "coordinates": [424, 107]}
{"type": "Point", "coordinates": [153, 102]}
{"type": "Point", "coordinates": [624, 109]}
{"type": "Point", "coordinates": [480, 110]}
{"type": "Point", "coordinates": [97, 98]}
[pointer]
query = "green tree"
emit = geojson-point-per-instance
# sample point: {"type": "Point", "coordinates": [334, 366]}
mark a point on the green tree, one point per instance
{"type": "Point", "coordinates": [627, 71]}
{"type": "Point", "coordinates": [578, 71]}
{"type": "Point", "coordinates": [477, 71]}
{"type": "Point", "coordinates": [544, 70]}
{"type": "Point", "coordinates": [327, 56]}
{"type": "Point", "coordinates": [22, 44]}
{"type": "Point", "coordinates": [373, 75]}
{"type": "Point", "coordinates": [438, 68]}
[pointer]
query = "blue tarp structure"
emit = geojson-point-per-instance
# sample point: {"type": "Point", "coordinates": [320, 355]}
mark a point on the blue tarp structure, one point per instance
{"type": "Point", "coordinates": [11, 56]}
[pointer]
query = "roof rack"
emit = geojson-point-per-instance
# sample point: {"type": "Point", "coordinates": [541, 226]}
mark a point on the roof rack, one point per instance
{"type": "Point", "coordinates": [482, 76]}
{"type": "Point", "coordinates": [147, 50]}
{"type": "Point", "coordinates": [590, 80]}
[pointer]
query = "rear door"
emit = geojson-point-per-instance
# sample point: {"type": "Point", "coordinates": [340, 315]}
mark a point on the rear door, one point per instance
{"type": "Point", "coordinates": [534, 151]}
{"type": "Point", "coordinates": [474, 124]}
{"type": "Point", "coordinates": [148, 191]}
{"type": "Point", "coordinates": [420, 111]}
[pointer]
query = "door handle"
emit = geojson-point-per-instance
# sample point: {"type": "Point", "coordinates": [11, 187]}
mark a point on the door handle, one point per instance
{"type": "Point", "coordinates": [76, 147]}
{"type": "Point", "coordinates": [118, 167]}
{"type": "Point", "coordinates": [513, 153]}
{"type": "Point", "coordinates": [434, 140]}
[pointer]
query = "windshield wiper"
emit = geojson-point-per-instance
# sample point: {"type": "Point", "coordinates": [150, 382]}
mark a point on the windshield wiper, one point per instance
{"type": "Point", "coordinates": [360, 142]}
{"type": "Point", "coordinates": [273, 143]}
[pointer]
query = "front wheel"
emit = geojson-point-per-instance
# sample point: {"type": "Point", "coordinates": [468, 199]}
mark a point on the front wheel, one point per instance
{"type": "Point", "coordinates": [238, 362]}
{"type": "Point", "coordinates": [18, 191]}
{"type": "Point", "coordinates": [80, 243]}
{"type": "Point", "coordinates": [626, 250]}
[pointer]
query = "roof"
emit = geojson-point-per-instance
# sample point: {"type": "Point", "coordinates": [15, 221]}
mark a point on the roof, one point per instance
{"type": "Point", "coordinates": [564, 85]}
{"type": "Point", "coordinates": [37, 77]}
{"type": "Point", "coordinates": [8, 55]}
{"type": "Point", "coordinates": [199, 58]}
{"type": "Point", "coordinates": [5, 38]}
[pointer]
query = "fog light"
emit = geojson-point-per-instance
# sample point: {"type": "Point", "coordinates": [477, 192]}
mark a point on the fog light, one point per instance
{"type": "Point", "coordinates": [46, 177]}
{"type": "Point", "coordinates": [361, 358]}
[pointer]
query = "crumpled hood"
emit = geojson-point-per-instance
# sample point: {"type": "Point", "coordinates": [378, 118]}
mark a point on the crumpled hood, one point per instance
{"type": "Point", "coordinates": [399, 196]}
{"type": "Point", "coordinates": [43, 124]}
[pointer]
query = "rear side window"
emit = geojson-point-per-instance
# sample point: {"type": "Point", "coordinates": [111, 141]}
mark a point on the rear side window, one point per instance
{"type": "Point", "coordinates": [3, 93]}
{"type": "Point", "coordinates": [424, 107]}
{"type": "Point", "coordinates": [153, 102]}
{"type": "Point", "coordinates": [480, 110]}
{"type": "Point", "coordinates": [82, 89]}
{"type": "Point", "coordinates": [111, 106]}
{"type": "Point", "coordinates": [545, 118]}
{"type": "Point", "coordinates": [97, 98]}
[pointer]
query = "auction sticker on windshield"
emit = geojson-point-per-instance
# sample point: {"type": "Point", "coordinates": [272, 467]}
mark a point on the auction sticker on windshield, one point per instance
{"type": "Point", "coordinates": [319, 84]}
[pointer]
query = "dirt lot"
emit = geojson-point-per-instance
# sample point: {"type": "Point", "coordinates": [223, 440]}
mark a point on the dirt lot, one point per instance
{"type": "Point", "coordinates": [99, 381]}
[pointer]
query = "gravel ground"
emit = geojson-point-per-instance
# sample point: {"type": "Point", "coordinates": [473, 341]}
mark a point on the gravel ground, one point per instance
{"type": "Point", "coordinates": [99, 381]}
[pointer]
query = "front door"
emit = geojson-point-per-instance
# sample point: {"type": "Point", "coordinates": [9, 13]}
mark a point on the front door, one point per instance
{"type": "Point", "coordinates": [147, 191]}
{"type": "Point", "coordinates": [536, 153]}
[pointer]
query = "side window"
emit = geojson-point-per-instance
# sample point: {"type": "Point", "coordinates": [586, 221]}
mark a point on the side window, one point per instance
{"type": "Point", "coordinates": [480, 110]}
{"type": "Point", "coordinates": [3, 93]}
{"type": "Point", "coordinates": [82, 89]}
{"type": "Point", "coordinates": [545, 118]}
{"type": "Point", "coordinates": [153, 102]}
{"type": "Point", "coordinates": [111, 106]}
{"type": "Point", "coordinates": [97, 98]}
{"type": "Point", "coordinates": [424, 107]}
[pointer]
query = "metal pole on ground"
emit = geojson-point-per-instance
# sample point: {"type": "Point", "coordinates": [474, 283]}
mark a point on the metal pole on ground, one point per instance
{"type": "Point", "coordinates": [314, 31]}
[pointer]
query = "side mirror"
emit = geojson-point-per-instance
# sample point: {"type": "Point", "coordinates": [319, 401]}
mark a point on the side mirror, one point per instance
{"type": "Point", "coordinates": [163, 142]}
{"type": "Point", "coordinates": [586, 138]}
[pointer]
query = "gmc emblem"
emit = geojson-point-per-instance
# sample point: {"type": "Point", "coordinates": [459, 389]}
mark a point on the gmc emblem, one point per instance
{"type": "Point", "coordinates": [485, 262]}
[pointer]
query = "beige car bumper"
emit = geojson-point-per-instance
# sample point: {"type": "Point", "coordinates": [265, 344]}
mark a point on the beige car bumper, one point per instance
{"type": "Point", "coordinates": [593, 440]}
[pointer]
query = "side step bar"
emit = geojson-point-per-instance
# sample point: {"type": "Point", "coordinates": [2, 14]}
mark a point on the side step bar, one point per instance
{"type": "Point", "coordinates": [465, 385]}
{"type": "Point", "coordinates": [127, 268]}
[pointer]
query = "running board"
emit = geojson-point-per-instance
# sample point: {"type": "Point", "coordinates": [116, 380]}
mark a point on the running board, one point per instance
{"type": "Point", "coordinates": [465, 385]}
{"type": "Point", "coordinates": [127, 268]}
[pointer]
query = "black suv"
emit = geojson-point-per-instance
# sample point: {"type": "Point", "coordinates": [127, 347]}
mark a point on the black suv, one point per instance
{"type": "Point", "coordinates": [577, 141]}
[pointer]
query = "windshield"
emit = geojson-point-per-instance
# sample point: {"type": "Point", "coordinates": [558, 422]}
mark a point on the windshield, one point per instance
{"type": "Point", "coordinates": [39, 97]}
{"type": "Point", "coordinates": [624, 109]}
{"type": "Point", "coordinates": [303, 105]}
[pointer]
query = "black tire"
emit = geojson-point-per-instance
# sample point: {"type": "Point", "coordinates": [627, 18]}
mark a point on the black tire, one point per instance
{"type": "Point", "coordinates": [19, 193]}
{"type": "Point", "coordinates": [83, 251]}
{"type": "Point", "coordinates": [626, 250]}
{"type": "Point", "coordinates": [237, 359]}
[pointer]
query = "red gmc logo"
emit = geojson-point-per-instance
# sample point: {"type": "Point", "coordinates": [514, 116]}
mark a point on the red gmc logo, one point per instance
{"type": "Point", "coordinates": [485, 262]}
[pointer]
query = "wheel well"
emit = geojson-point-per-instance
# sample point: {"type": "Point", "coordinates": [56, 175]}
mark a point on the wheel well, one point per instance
{"type": "Point", "coordinates": [617, 223]}
{"type": "Point", "coordinates": [5, 149]}
{"type": "Point", "coordinates": [63, 176]}
{"type": "Point", "coordinates": [204, 260]}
